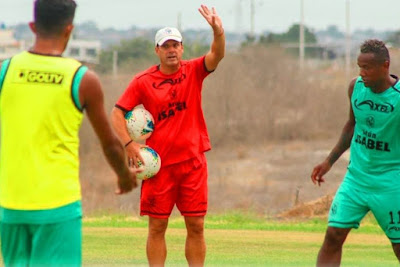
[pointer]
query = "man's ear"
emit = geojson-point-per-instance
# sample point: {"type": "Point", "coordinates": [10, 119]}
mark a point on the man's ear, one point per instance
{"type": "Point", "coordinates": [68, 30]}
{"type": "Point", "coordinates": [32, 26]}
{"type": "Point", "coordinates": [386, 64]}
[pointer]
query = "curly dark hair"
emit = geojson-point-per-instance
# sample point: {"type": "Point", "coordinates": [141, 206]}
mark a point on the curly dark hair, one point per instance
{"type": "Point", "coordinates": [51, 16]}
{"type": "Point", "coordinates": [376, 47]}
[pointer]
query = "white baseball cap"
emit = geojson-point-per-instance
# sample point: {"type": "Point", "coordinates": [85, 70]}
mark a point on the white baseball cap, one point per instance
{"type": "Point", "coordinates": [167, 33]}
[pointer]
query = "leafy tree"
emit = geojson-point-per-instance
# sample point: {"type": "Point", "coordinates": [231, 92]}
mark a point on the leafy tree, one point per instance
{"type": "Point", "coordinates": [334, 32]}
{"type": "Point", "coordinates": [196, 49]}
{"type": "Point", "coordinates": [291, 36]}
{"type": "Point", "coordinates": [127, 50]}
{"type": "Point", "coordinates": [394, 39]}
{"type": "Point", "coordinates": [139, 50]}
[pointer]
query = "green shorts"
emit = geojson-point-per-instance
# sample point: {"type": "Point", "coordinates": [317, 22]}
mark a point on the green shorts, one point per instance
{"type": "Point", "coordinates": [54, 244]}
{"type": "Point", "coordinates": [350, 205]}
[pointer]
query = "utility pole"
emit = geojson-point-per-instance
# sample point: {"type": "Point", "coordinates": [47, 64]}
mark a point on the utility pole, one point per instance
{"type": "Point", "coordinates": [252, 17]}
{"type": "Point", "coordinates": [348, 39]}
{"type": "Point", "coordinates": [238, 16]}
{"type": "Point", "coordinates": [301, 39]}
{"type": "Point", "coordinates": [179, 21]}
{"type": "Point", "coordinates": [115, 63]}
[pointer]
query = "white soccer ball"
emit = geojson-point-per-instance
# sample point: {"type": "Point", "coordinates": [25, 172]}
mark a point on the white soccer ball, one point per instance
{"type": "Point", "coordinates": [140, 123]}
{"type": "Point", "coordinates": [152, 163]}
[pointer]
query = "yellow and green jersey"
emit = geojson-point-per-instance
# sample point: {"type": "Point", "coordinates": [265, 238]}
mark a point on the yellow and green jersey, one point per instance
{"type": "Point", "coordinates": [40, 117]}
{"type": "Point", "coordinates": [375, 147]}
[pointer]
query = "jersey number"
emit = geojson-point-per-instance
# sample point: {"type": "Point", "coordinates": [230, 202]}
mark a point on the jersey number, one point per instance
{"type": "Point", "coordinates": [391, 217]}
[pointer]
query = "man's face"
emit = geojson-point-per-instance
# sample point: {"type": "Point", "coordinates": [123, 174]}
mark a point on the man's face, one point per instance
{"type": "Point", "coordinates": [372, 71]}
{"type": "Point", "coordinates": [170, 53]}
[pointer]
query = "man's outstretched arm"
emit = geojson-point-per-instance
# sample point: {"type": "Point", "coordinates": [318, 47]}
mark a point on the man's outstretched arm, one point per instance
{"type": "Point", "coordinates": [217, 51]}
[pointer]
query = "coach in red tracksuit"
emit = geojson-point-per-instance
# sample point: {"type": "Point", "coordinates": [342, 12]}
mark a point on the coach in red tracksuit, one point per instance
{"type": "Point", "coordinates": [171, 92]}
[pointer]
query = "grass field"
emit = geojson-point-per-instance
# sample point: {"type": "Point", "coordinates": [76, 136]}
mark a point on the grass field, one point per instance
{"type": "Point", "coordinates": [233, 240]}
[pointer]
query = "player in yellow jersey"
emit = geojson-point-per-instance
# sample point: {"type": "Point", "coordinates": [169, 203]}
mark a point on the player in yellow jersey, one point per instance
{"type": "Point", "coordinates": [42, 99]}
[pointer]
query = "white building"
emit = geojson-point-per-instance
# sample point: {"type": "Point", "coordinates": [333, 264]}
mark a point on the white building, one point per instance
{"type": "Point", "coordinates": [83, 50]}
{"type": "Point", "coordinates": [8, 45]}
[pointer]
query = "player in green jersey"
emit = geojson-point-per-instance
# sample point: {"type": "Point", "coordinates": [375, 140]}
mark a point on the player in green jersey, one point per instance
{"type": "Point", "coordinates": [372, 181]}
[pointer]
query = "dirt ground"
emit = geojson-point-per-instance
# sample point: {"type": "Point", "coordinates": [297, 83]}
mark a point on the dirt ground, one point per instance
{"type": "Point", "coordinates": [263, 103]}
{"type": "Point", "coordinates": [268, 179]}
{"type": "Point", "coordinates": [271, 178]}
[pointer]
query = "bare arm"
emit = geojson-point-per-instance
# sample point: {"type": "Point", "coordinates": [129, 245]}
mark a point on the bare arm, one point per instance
{"type": "Point", "coordinates": [347, 133]}
{"type": "Point", "coordinates": [217, 51]}
{"type": "Point", "coordinates": [341, 146]}
{"type": "Point", "coordinates": [119, 125]}
{"type": "Point", "coordinates": [92, 100]}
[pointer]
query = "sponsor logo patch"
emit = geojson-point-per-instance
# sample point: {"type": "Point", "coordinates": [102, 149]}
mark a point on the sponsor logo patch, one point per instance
{"type": "Point", "coordinates": [32, 76]}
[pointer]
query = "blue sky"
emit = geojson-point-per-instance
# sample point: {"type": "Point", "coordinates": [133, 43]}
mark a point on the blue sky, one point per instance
{"type": "Point", "coordinates": [276, 15]}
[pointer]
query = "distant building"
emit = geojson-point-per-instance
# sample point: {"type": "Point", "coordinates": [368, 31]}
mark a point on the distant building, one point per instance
{"type": "Point", "coordinates": [84, 50]}
{"type": "Point", "coordinates": [8, 45]}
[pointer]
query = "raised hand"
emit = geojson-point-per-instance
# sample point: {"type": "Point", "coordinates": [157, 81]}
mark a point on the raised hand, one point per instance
{"type": "Point", "coordinates": [212, 18]}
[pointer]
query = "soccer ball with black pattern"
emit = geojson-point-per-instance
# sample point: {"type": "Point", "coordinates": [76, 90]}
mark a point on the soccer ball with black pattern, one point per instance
{"type": "Point", "coordinates": [140, 123]}
{"type": "Point", "coordinates": [152, 163]}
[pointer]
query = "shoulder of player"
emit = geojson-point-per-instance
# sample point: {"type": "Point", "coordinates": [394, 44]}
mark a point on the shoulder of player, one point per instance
{"type": "Point", "coordinates": [193, 63]}
{"type": "Point", "coordinates": [193, 60]}
{"type": "Point", "coordinates": [90, 89]}
{"type": "Point", "coordinates": [352, 85]}
{"type": "Point", "coordinates": [396, 82]}
{"type": "Point", "coordinates": [354, 81]}
{"type": "Point", "coordinates": [145, 73]}
{"type": "Point", "coordinates": [90, 76]}
{"type": "Point", "coordinates": [90, 81]}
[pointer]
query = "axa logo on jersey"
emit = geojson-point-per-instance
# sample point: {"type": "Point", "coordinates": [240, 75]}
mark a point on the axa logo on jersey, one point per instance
{"type": "Point", "coordinates": [371, 105]}
{"type": "Point", "coordinates": [171, 81]}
